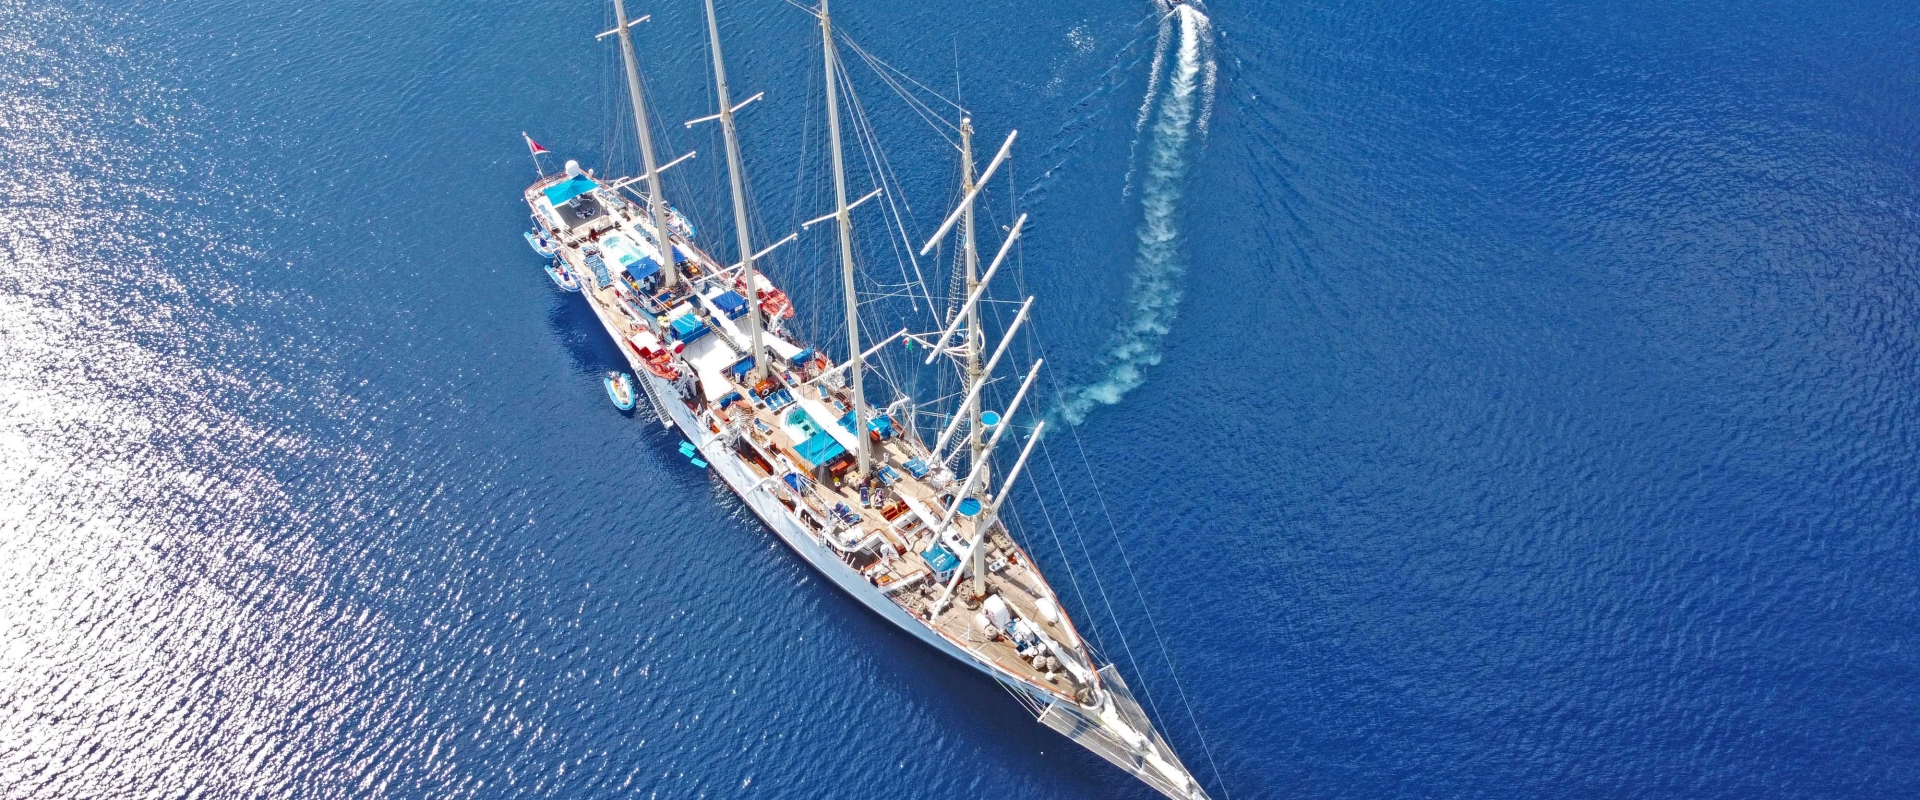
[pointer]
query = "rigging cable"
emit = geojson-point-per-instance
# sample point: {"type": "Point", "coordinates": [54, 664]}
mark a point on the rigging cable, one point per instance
{"type": "Point", "coordinates": [878, 168]}
{"type": "Point", "coordinates": [1114, 531]}
{"type": "Point", "coordinates": [868, 142]}
{"type": "Point", "coordinates": [881, 167]}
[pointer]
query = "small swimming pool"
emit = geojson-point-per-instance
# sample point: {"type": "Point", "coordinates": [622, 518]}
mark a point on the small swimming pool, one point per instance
{"type": "Point", "coordinates": [812, 442]}
{"type": "Point", "coordinates": [803, 422]}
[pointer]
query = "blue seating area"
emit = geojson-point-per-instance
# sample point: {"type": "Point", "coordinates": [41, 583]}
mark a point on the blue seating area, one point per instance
{"type": "Point", "coordinates": [601, 278]}
{"type": "Point", "coordinates": [777, 399]}
{"type": "Point", "coordinates": [888, 476]}
{"type": "Point", "coordinates": [918, 468]}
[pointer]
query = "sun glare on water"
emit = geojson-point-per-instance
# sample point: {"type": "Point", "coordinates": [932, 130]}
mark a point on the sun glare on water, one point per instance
{"type": "Point", "coordinates": [148, 648]}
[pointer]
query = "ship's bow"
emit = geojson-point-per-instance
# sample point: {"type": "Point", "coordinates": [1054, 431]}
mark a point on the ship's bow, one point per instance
{"type": "Point", "coordinates": [1120, 732]}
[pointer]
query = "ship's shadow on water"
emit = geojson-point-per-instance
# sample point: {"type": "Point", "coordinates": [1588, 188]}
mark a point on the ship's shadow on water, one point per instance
{"type": "Point", "coordinates": [584, 338]}
{"type": "Point", "coordinates": [593, 353]}
{"type": "Point", "coordinates": [971, 711]}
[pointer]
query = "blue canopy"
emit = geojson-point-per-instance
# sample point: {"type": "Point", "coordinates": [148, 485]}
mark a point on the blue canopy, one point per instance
{"type": "Point", "coordinates": [572, 188]}
{"type": "Point", "coordinates": [819, 449]}
{"type": "Point", "coordinates": [882, 424]}
{"type": "Point", "coordinates": [731, 304]}
{"type": "Point", "coordinates": [687, 328]}
{"type": "Point", "coordinates": [741, 368]}
{"type": "Point", "coordinates": [643, 269]}
{"type": "Point", "coordinates": [940, 559]}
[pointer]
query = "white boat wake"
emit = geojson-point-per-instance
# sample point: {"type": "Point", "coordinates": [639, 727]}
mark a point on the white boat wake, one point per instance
{"type": "Point", "coordinates": [1179, 103]}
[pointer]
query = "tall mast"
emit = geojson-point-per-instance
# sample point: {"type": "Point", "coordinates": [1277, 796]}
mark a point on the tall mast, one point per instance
{"type": "Point", "coordinates": [976, 340]}
{"type": "Point", "coordinates": [736, 173]}
{"type": "Point", "coordinates": [656, 202]}
{"type": "Point", "coordinates": [846, 240]}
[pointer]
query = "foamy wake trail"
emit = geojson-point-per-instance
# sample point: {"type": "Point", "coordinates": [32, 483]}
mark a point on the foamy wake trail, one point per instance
{"type": "Point", "coordinates": [1159, 67]}
{"type": "Point", "coordinates": [1155, 76]}
{"type": "Point", "coordinates": [1155, 293]}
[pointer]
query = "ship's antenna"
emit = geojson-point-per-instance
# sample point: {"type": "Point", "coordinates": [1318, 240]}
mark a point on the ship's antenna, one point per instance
{"type": "Point", "coordinates": [846, 241]}
{"type": "Point", "coordinates": [656, 202]}
{"type": "Point", "coordinates": [736, 173]}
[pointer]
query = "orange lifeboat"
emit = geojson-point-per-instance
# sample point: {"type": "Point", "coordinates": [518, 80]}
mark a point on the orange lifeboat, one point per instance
{"type": "Point", "coordinates": [773, 302]}
{"type": "Point", "coordinates": [775, 305]}
{"type": "Point", "coordinates": [656, 362]}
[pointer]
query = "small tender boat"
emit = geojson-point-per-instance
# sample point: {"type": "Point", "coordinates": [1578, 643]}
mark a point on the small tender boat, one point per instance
{"type": "Point", "coordinates": [562, 277]}
{"type": "Point", "coordinates": [620, 390]}
{"type": "Point", "coordinates": [541, 244]}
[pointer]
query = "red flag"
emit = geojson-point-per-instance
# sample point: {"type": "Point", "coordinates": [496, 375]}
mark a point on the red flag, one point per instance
{"type": "Point", "coordinates": [532, 145]}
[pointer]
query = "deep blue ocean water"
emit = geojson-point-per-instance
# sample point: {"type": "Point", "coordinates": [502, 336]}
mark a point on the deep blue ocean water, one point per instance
{"type": "Point", "coordinates": [1507, 400]}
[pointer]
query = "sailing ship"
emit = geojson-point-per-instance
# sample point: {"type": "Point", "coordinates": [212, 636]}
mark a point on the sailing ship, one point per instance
{"type": "Point", "coordinates": [909, 528]}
